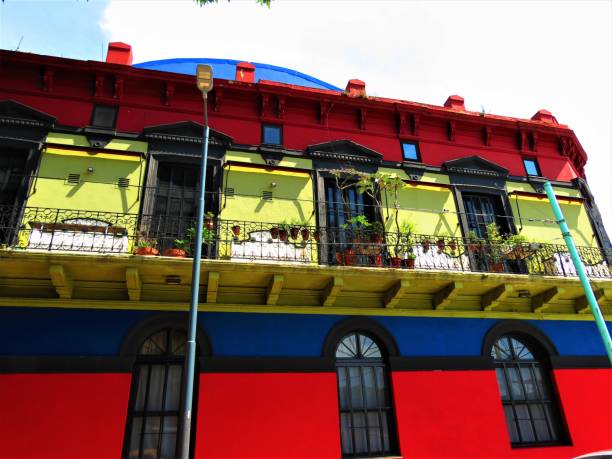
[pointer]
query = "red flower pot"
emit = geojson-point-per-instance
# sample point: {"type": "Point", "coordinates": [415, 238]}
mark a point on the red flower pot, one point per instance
{"type": "Point", "coordinates": [409, 263]}
{"type": "Point", "coordinates": [377, 260]}
{"type": "Point", "coordinates": [274, 232]}
{"type": "Point", "coordinates": [440, 244]}
{"type": "Point", "coordinates": [349, 257]}
{"type": "Point", "coordinates": [377, 238]}
{"type": "Point", "coordinates": [317, 235]}
{"type": "Point", "coordinates": [147, 251]}
{"type": "Point", "coordinates": [293, 232]}
{"type": "Point", "coordinates": [283, 235]}
{"type": "Point", "coordinates": [395, 262]}
{"type": "Point", "coordinates": [305, 234]}
{"type": "Point", "coordinates": [236, 230]}
{"type": "Point", "coordinates": [176, 253]}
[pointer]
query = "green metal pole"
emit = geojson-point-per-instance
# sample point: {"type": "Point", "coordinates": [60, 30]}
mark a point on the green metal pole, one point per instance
{"type": "Point", "coordinates": [599, 319]}
{"type": "Point", "coordinates": [189, 373]}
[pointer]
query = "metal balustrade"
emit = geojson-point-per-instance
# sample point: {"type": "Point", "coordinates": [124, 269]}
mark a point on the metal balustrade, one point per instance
{"type": "Point", "coordinates": [69, 230]}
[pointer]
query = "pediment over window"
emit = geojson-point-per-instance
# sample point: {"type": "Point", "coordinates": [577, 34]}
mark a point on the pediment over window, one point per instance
{"type": "Point", "coordinates": [185, 132]}
{"type": "Point", "coordinates": [345, 150]}
{"type": "Point", "coordinates": [475, 166]}
{"type": "Point", "coordinates": [12, 112]}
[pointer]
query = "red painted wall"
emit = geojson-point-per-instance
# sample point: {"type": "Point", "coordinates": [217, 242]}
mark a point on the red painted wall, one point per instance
{"type": "Point", "coordinates": [280, 415]}
{"type": "Point", "coordinates": [63, 415]}
{"type": "Point", "coordinates": [455, 414]}
{"type": "Point", "coordinates": [238, 112]}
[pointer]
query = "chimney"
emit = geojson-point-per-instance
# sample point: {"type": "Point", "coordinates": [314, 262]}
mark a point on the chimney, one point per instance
{"type": "Point", "coordinates": [355, 88]}
{"type": "Point", "coordinates": [245, 71]}
{"type": "Point", "coordinates": [119, 53]}
{"type": "Point", "coordinates": [455, 103]}
{"type": "Point", "coordinates": [545, 116]}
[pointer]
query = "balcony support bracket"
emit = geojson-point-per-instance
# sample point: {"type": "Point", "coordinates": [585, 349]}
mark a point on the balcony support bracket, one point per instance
{"type": "Point", "coordinates": [332, 290]}
{"type": "Point", "coordinates": [212, 287]}
{"type": "Point", "coordinates": [543, 301]}
{"type": "Point", "coordinates": [133, 283]}
{"type": "Point", "coordinates": [491, 299]}
{"type": "Point", "coordinates": [274, 289]}
{"type": "Point", "coordinates": [445, 296]}
{"type": "Point", "coordinates": [61, 281]}
{"type": "Point", "coordinates": [396, 293]}
{"type": "Point", "coordinates": [582, 304]}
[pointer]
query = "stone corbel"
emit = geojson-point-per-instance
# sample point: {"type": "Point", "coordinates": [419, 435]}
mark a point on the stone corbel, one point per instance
{"type": "Point", "coordinates": [281, 106]}
{"type": "Point", "coordinates": [416, 124]}
{"type": "Point", "coordinates": [265, 105]}
{"type": "Point", "coordinates": [98, 85]}
{"type": "Point", "coordinates": [402, 123]}
{"type": "Point", "coordinates": [363, 116]}
{"type": "Point", "coordinates": [48, 79]}
{"type": "Point", "coordinates": [452, 130]}
{"type": "Point", "coordinates": [168, 94]}
{"type": "Point", "coordinates": [217, 97]}
{"type": "Point", "coordinates": [488, 135]}
{"type": "Point", "coordinates": [118, 87]}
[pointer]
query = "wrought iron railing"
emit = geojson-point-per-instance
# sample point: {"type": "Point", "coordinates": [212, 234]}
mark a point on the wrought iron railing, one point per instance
{"type": "Point", "coordinates": [43, 229]}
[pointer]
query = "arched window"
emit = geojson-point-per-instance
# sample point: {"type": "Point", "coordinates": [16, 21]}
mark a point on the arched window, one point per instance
{"type": "Point", "coordinates": [366, 411]}
{"type": "Point", "coordinates": [527, 392]}
{"type": "Point", "coordinates": [154, 425]}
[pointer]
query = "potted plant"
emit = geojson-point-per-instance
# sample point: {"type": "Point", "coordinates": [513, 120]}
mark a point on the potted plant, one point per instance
{"type": "Point", "coordinates": [208, 236]}
{"type": "Point", "coordinates": [274, 232]}
{"type": "Point", "coordinates": [305, 233]}
{"type": "Point", "coordinates": [495, 249]}
{"type": "Point", "coordinates": [404, 241]}
{"type": "Point", "coordinates": [425, 244]}
{"type": "Point", "coordinates": [440, 244]}
{"type": "Point", "coordinates": [410, 260]}
{"type": "Point", "coordinates": [178, 251]}
{"type": "Point", "coordinates": [236, 230]}
{"type": "Point", "coordinates": [283, 231]}
{"type": "Point", "coordinates": [209, 220]}
{"type": "Point", "coordinates": [474, 242]}
{"type": "Point", "coordinates": [517, 247]}
{"type": "Point", "coordinates": [376, 232]}
{"type": "Point", "coordinates": [317, 235]}
{"type": "Point", "coordinates": [146, 247]}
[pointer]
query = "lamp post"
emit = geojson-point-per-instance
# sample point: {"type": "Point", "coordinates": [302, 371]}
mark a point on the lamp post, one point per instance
{"type": "Point", "coordinates": [204, 84]}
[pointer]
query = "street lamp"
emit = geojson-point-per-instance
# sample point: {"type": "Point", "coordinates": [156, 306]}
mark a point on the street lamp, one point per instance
{"type": "Point", "coordinates": [204, 83]}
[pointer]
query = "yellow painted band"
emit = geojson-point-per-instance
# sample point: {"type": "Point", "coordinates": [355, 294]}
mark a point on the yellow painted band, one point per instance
{"type": "Point", "coordinates": [266, 309]}
{"type": "Point", "coordinates": [561, 199]}
{"type": "Point", "coordinates": [263, 170]}
{"type": "Point", "coordinates": [116, 156]}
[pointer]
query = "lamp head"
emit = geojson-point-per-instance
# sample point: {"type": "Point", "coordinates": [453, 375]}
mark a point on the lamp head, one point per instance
{"type": "Point", "coordinates": [204, 75]}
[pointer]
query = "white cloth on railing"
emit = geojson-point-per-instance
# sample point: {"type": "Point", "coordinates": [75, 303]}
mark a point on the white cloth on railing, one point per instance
{"type": "Point", "coordinates": [260, 247]}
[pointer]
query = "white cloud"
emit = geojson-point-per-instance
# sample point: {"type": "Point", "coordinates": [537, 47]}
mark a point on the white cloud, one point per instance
{"type": "Point", "coordinates": [512, 58]}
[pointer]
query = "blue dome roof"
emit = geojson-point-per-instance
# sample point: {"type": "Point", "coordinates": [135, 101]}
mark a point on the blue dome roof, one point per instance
{"type": "Point", "coordinates": [226, 69]}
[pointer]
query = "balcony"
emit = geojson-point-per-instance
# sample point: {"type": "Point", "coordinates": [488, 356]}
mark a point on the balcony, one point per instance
{"type": "Point", "coordinates": [80, 231]}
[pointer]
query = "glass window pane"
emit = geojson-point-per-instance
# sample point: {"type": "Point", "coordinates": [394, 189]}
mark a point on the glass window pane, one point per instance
{"type": "Point", "coordinates": [156, 387]}
{"type": "Point", "coordinates": [135, 437]}
{"type": "Point", "coordinates": [501, 349]}
{"type": "Point", "coordinates": [360, 432]}
{"type": "Point", "coordinates": [381, 386]}
{"type": "Point", "coordinates": [385, 432]}
{"type": "Point", "coordinates": [168, 438]}
{"type": "Point", "coordinates": [370, 387]}
{"type": "Point", "coordinates": [151, 437]}
{"type": "Point", "coordinates": [374, 432]}
{"type": "Point", "coordinates": [529, 383]}
{"type": "Point", "coordinates": [515, 383]}
{"type": "Point", "coordinates": [531, 167]}
{"type": "Point", "coordinates": [342, 388]}
{"type": "Point", "coordinates": [155, 344]}
{"type": "Point", "coordinates": [521, 351]}
{"type": "Point", "coordinates": [356, 388]}
{"type": "Point", "coordinates": [173, 387]}
{"type": "Point", "coordinates": [553, 421]}
{"type": "Point", "coordinates": [510, 422]}
{"type": "Point", "coordinates": [346, 433]}
{"type": "Point", "coordinates": [369, 349]}
{"type": "Point", "coordinates": [540, 383]}
{"type": "Point", "coordinates": [409, 151]}
{"type": "Point", "coordinates": [142, 376]}
{"type": "Point", "coordinates": [272, 135]}
{"type": "Point", "coordinates": [501, 382]}
{"type": "Point", "coordinates": [347, 347]}
{"type": "Point", "coordinates": [179, 339]}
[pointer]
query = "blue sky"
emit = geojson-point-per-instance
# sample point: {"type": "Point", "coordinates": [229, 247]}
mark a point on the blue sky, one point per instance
{"type": "Point", "coordinates": [68, 28]}
{"type": "Point", "coordinates": [509, 57]}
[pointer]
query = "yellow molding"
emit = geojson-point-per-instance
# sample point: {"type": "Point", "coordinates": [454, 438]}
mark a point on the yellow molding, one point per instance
{"type": "Point", "coordinates": [273, 309]}
{"type": "Point", "coordinates": [266, 170]}
{"type": "Point", "coordinates": [561, 199]}
{"type": "Point", "coordinates": [115, 156]}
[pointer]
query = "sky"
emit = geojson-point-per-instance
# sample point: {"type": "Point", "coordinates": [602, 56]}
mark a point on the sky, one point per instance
{"type": "Point", "coordinates": [508, 58]}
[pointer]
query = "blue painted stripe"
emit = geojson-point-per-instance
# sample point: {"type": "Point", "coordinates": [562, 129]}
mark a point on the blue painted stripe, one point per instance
{"type": "Point", "coordinates": [34, 331]}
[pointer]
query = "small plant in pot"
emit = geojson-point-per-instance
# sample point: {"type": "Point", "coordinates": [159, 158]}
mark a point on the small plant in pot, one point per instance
{"type": "Point", "coordinates": [178, 251]}
{"type": "Point", "coordinates": [474, 242]}
{"type": "Point", "coordinates": [146, 247]}
{"type": "Point", "coordinates": [425, 244]}
{"type": "Point", "coordinates": [495, 249]}
{"type": "Point", "coordinates": [377, 232]}
{"type": "Point", "coordinates": [409, 261]}
{"type": "Point", "coordinates": [441, 244]}
{"type": "Point", "coordinates": [236, 230]}
{"type": "Point", "coordinates": [317, 235]}
{"type": "Point", "coordinates": [274, 232]}
{"type": "Point", "coordinates": [209, 220]}
{"type": "Point", "coordinates": [294, 228]}
{"type": "Point", "coordinates": [517, 245]}
{"type": "Point", "coordinates": [283, 232]}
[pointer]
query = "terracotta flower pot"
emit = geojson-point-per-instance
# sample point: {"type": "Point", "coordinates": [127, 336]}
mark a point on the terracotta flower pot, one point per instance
{"type": "Point", "coordinates": [377, 238]}
{"type": "Point", "coordinates": [376, 260]}
{"type": "Point", "coordinates": [317, 235]}
{"type": "Point", "coordinates": [305, 234]}
{"type": "Point", "coordinates": [176, 253]}
{"type": "Point", "coordinates": [274, 232]}
{"type": "Point", "coordinates": [236, 230]}
{"type": "Point", "coordinates": [349, 257]}
{"type": "Point", "coordinates": [496, 267]}
{"type": "Point", "coordinates": [283, 235]}
{"type": "Point", "coordinates": [409, 263]}
{"type": "Point", "coordinates": [425, 246]}
{"type": "Point", "coordinates": [147, 251]}
{"type": "Point", "coordinates": [395, 262]}
{"type": "Point", "coordinates": [474, 248]}
{"type": "Point", "coordinates": [452, 245]}
{"type": "Point", "coordinates": [293, 232]}
{"type": "Point", "coordinates": [340, 258]}
{"type": "Point", "coordinates": [440, 244]}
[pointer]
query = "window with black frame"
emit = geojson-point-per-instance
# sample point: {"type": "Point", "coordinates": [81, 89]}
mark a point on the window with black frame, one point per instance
{"type": "Point", "coordinates": [154, 423]}
{"type": "Point", "coordinates": [13, 167]}
{"type": "Point", "coordinates": [481, 210]}
{"type": "Point", "coordinates": [175, 198]}
{"type": "Point", "coordinates": [343, 204]}
{"type": "Point", "coordinates": [527, 393]}
{"type": "Point", "coordinates": [366, 413]}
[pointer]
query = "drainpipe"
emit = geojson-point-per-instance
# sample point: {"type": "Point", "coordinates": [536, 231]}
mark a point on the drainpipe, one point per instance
{"type": "Point", "coordinates": [599, 319]}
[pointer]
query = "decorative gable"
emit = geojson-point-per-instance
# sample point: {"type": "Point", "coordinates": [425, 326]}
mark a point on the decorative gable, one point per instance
{"type": "Point", "coordinates": [345, 150]}
{"type": "Point", "coordinates": [475, 165]}
{"type": "Point", "coordinates": [12, 112]}
{"type": "Point", "coordinates": [185, 132]}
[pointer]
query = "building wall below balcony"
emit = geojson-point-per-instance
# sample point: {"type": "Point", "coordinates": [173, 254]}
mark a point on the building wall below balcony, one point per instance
{"type": "Point", "coordinates": [63, 415]}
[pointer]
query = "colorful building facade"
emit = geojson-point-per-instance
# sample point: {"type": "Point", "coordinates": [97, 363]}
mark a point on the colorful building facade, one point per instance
{"type": "Point", "coordinates": [382, 278]}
